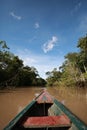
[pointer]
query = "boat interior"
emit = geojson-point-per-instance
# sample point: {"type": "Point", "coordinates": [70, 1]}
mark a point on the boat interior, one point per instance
{"type": "Point", "coordinates": [46, 113]}
{"type": "Point", "coordinates": [43, 116]}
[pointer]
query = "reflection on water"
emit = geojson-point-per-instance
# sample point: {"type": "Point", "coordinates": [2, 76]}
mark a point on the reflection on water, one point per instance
{"type": "Point", "coordinates": [12, 102]}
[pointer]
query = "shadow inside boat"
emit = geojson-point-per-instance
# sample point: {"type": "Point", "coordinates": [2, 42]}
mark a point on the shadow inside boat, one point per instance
{"type": "Point", "coordinates": [42, 116]}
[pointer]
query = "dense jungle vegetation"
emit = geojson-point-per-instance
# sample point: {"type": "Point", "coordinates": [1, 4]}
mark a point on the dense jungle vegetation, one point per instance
{"type": "Point", "coordinates": [73, 71]}
{"type": "Point", "coordinates": [13, 73]}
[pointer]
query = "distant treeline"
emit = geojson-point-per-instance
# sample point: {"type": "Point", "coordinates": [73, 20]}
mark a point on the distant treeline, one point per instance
{"type": "Point", "coordinates": [13, 73]}
{"type": "Point", "coordinates": [73, 71]}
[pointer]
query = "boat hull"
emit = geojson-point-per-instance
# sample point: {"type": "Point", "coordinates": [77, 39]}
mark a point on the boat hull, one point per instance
{"type": "Point", "coordinates": [46, 113]}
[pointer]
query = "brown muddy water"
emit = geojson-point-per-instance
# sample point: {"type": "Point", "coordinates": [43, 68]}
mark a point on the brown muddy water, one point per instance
{"type": "Point", "coordinates": [13, 101]}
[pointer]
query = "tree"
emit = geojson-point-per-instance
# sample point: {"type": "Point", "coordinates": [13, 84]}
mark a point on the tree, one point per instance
{"type": "Point", "coordinates": [82, 45]}
{"type": "Point", "coordinates": [41, 82]}
{"type": "Point", "coordinates": [53, 77]}
{"type": "Point", "coordinates": [14, 73]}
{"type": "Point", "coordinates": [74, 68]}
{"type": "Point", "coordinates": [3, 46]}
{"type": "Point", "coordinates": [4, 54]}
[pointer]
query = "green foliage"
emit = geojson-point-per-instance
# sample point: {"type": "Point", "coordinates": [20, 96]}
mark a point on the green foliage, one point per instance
{"type": "Point", "coordinates": [73, 71]}
{"type": "Point", "coordinates": [82, 61]}
{"type": "Point", "coordinates": [3, 46]}
{"type": "Point", "coordinates": [41, 82]}
{"type": "Point", "coordinates": [53, 77]}
{"type": "Point", "coordinates": [14, 73]}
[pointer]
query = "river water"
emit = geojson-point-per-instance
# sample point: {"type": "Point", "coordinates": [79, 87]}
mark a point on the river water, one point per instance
{"type": "Point", "coordinates": [13, 101]}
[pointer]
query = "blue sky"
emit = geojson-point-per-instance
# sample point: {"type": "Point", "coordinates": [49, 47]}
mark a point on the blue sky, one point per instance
{"type": "Point", "coordinates": [42, 32]}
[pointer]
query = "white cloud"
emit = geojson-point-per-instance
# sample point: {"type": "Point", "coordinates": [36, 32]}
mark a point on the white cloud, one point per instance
{"type": "Point", "coordinates": [29, 61]}
{"type": "Point", "coordinates": [37, 25]}
{"type": "Point", "coordinates": [48, 46]}
{"type": "Point", "coordinates": [15, 16]}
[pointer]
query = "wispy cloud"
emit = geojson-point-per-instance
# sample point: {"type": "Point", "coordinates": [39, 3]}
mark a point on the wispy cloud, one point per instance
{"type": "Point", "coordinates": [83, 25]}
{"type": "Point", "coordinates": [76, 7]}
{"type": "Point", "coordinates": [32, 39]}
{"type": "Point", "coordinates": [15, 16]}
{"type": "Point", "coordinates": [36, 25]}
{"type": "Point", "coordinates": [48, 46]}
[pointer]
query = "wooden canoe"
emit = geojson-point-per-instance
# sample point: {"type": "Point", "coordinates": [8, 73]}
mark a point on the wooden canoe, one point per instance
{"type": "Point", "coordinates": [46, 113]}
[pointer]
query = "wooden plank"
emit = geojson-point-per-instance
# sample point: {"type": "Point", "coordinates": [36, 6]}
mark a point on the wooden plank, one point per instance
{"type": "Point", "coordinates": [47, 121]}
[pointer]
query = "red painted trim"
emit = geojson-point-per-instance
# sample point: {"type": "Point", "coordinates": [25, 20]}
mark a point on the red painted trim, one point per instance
{"type": "Point", "coordinates": [47, 121]}
{"type": "Point", "coordinates": [45, 97]}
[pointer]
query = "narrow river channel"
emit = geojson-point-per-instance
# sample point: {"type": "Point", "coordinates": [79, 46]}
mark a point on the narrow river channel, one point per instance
{"type": "Point", "coordinates": [13, 101]}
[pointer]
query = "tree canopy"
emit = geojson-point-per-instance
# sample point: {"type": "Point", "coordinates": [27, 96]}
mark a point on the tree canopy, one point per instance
{"type": "Point", "coordinates": [73, 71]}
{"type": "Point", "coordinates": [14, 73]}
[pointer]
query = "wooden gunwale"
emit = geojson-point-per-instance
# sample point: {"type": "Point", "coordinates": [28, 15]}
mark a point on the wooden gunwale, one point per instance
{"type": "Point", "coordinates": [46, 101]}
